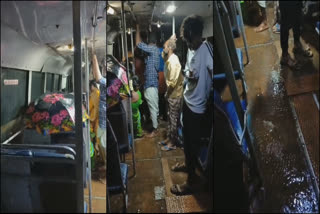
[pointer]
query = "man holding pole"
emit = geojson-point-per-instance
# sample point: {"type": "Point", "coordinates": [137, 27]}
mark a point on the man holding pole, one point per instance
{"type": "Point", "coordinates": [151, 77]}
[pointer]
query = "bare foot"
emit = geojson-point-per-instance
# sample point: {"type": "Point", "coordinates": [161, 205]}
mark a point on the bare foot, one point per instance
{"type": "Point", "coordinates": [263, 26]}
{"type": "Point", "coordinates": [164, 142]}
{"type": "Point", "coordinates": [154, 133]}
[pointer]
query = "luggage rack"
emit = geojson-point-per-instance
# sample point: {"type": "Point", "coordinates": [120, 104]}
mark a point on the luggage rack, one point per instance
{"type": "Point", "coordinates": [236, 110]}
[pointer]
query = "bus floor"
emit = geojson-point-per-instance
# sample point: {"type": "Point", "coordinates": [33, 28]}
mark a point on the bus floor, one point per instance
{"type": "Point", "coordinates": [274, 94]}
{"type": "Point", "coordinates": [149, 190]}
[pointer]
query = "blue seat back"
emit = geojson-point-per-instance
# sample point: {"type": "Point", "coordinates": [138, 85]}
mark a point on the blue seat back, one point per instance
{"type": "Point", "coordinates": [38, 179]}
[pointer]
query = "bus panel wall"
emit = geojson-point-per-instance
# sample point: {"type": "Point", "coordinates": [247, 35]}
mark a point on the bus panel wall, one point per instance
{"type": "Point", "coordinates": [13, 97]}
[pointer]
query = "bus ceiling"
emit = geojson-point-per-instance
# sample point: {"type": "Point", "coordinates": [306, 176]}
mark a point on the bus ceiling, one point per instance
{"type": "Point", "coordinates": [36, 33]}
{"type": "Point", "coordinates": [156, 12]}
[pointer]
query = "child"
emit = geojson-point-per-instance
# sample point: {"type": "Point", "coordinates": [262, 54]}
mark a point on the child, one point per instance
{"type": "Point", "coordinates": [136, 102]}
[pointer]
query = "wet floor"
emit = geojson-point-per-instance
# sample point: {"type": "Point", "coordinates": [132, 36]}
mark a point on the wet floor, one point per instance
{"type": "Point", "coordinates": [149, 190]}
{"type": "Point", "coordinates": [287, 180]}
{"type": "Point", "coordinates": [98, 196]}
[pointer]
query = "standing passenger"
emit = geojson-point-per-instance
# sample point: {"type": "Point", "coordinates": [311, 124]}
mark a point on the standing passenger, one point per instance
{"type": "Point", "coordinates": [291, 17]}
{"type": "Point", "coordinates": [136, 102]}
{"type": "Point", "coordinates": [151, 78]}
{"type": "Point", "coordinates": [199, 78]}
{"type": "Point", "coordinates": [102, 135]}
{"type": "Point", "coordinates": [174, 82]}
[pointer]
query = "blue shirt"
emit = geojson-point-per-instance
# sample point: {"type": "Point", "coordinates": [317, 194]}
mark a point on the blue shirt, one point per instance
{"type": "Point", "coordinates": [103, 103]}
{"type": "Point", "coordinates": [161, 66]}
{"type": "Point", "coordinates": [153, 61]}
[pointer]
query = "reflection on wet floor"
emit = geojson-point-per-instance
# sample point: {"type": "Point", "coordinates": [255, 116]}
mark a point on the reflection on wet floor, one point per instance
{"type": "Point", "coordinates": [286, 176]}
{"type": "Point", "coordinates": [149, 190]}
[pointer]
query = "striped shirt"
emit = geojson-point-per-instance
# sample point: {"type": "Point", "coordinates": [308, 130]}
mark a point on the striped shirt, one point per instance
{"type": "Point", "coordinates": [153, 62]}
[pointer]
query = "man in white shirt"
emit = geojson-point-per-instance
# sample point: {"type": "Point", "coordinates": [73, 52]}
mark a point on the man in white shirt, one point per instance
{"type": "Point", "coordinates": [199, 79]}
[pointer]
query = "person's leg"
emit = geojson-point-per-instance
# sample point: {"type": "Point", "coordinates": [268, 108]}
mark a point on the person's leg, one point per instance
{"type": "Point", "coordinates": [191, 129]}
{"type": "Point", "coordinates": [103, 143]}
{"type": "Point", "coordinates": [298, 46]}
{"type": "Point", "coordinates": [188, 135]}
{"type": "Point", "coordinates": [151, 96]}
{"type": "Point", "coordinates": [175, 117]}
{"type": "Point", "coordinates": [172, 128]}
{"type": "Point", "coordinates": [264, 24]}
{"type": "Point", "coordinates": [276, 23]}
{"type": "Point", "coordinates": [286, 16]}
{"type": "Point", "coordinates": [139, 128]}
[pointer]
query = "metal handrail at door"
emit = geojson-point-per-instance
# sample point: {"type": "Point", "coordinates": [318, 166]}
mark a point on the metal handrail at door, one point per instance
{"type": "Point", "coordinates": [226, 48]}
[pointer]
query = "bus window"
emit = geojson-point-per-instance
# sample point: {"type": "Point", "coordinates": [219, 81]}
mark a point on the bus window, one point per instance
{"type": "Point", "coordinates": [37, 85]}
{"type": "Point", "coordinates": [49, 87]}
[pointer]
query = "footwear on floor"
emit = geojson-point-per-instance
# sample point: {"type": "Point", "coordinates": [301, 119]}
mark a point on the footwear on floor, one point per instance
{"type": "Point", "coordinates": [303, 51]}
{"type": "Point", "coordinates": [162, 143]}
{"type": "Point", "coordinates": [291, 63]}
{"type": "Point", "coordinates": [179, 167]}
{"type": "Point", "coordinates": [181, 189]}
{"type": "Point", "coordinates": [168, 148]}
{"type": "Point", "coordinates": [276, 28]}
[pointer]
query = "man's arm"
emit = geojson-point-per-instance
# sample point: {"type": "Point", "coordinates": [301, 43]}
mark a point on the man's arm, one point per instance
{"type": "Point", "coordinates": [138, 38]}
{"type": "Point", "coordinates": [95, 68]}
{"type": "Point", "coordinates": [140, 44]}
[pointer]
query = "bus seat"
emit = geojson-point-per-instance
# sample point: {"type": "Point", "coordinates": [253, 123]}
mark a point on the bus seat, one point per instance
{"type": "Point", "coordinates": [221, 78]}
{"type": "Point", "coordinates": [38, 179]}
{"type": "Point", "coordinates": [118, 119]}
{"type": "Point", "coordinates": [31, 136]}
{"type": "Point", "coordinates": [228, 108]}
{"type": "Point", "coordinates": [117, 175]}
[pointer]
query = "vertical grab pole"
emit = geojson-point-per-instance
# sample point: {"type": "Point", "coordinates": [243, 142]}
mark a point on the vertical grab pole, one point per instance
{"type": "Point", "coordinates": [132, 49]}
{"type": "Point", "coordinates": [78, 103]}
{"type": "Point", "coordinates": [87, 88]}
{"type": "Point", "coordinates": [173, 25]}
{"type": "Point", "coordinates": [107, 196]}
{"type": "Point", "coordinates": [128, 77]}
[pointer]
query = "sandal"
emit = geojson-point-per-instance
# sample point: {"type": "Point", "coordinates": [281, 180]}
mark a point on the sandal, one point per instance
{"type": "Point", "coordinates": [162, 143]}
{"type": "Point", "coordinates": [183, 189]}
{"type": "Point", "coordinates": [167, 148]}
{"type": "Point", "coordinates": [179, 167]}
{"type": "Point", "coordinates": [305, 52]}
{"type": "Point", "coordinates": [276, 28]}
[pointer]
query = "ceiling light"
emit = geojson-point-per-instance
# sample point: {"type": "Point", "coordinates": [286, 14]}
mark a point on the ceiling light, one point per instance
{"type": "Point", "coordinates": [66, 48]}
{"type": "Point", "coordinates": [129, 31]}
{"type": "Point", "coordinates": [158, 25]}
{"type": "Point", "coordinates": [110, 10]}
{"type": "Point", "coordinates": [171, 8]}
